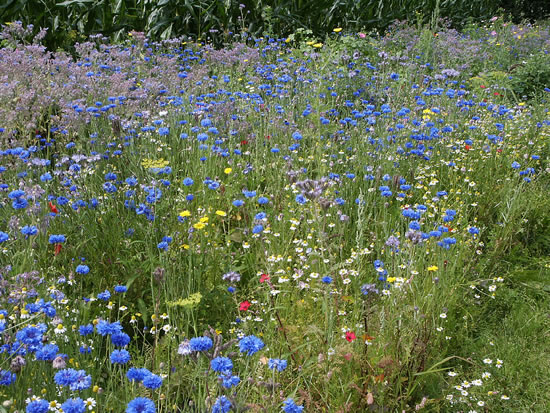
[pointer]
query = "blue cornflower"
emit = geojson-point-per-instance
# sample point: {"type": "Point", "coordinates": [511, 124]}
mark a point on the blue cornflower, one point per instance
{"type": "Point", "coordinates": [221, 364]}
{"type": "Point", "coordinates": [289, 406]}
{"type": "Point", "coordinates": [31, 335]}
{"type": "Point", "coordinates": [414, 225]}
{"type": "Point", "coordinates": [119, 356]}
{"type": "Point", "coordinates": [301, 199]}
{"type": "Point", "coordinates": [82, 269]}
{"type": "Point", "coordinates": [200, 343]}
{"type": "Point", "coordinates": [260, 216]}
{"type": "Point", "coordinates": [16, 194]}
{"type": "Point", "coordinates": [105, 328]}
{"type": "Point", "coordinates": [250, 345]}
{"type": "Point", "coordinates": [141, 405]}
{"type": "Point", "coordinates": [138, 375]}
{"type": "Point", "coordinates": [105, 295]}
{"type": "Point", "coordinates": [56, 239]}
{"type": "Point", "coordinates": [222, 405]}
{"type": "Point", "coordinates": [278, 364]}
{"type": "Point", "coordinates": [4, 237]}
{"type": "Point", "coordinates": [84, 349]}
{"type": "Point", "coordinates": [152, 381]}
{"type": "Point", "coordinates": [46, 177]}
{"type": "Point", "coordinates": [47, 352]}
{"type": "Point", "coordinates": [229, 381]}
{"type": "Point", "coordinates": [85, 330]}
{"type": "Point", "coordinates": [188, 182]}
{"type": "Point", "coordinates": [38, 406]}
{"type": "Point", "coordinates": [81, 382]}
{"type": "Point", "coordinates": [7, 377]}
{"type": "Point", "coordinates": [74, 406]}
{"type": "Point", "coordinates": [121, 289]}
{"type": "Point", "coordinates": [249, 194]}
{"type": "Point", "coordinates": [163, 246]}
{"type": "Point", "coordinates": [131, 181]}
{"type": "Point", "coordinates": [29, 230]}
{"type": "Point", "coordinates": [120, 339]}
{"type": "Point", "coordinates": [20, 203]}
{"type": "Point", "coordinates": [326, 279]}
{"type": "Point", "coordinates": [257, 229]}
{"type": "Point", "coordinates": [109, 187]}
{"type": "Point", "coordinates": [66, 377]}
{"type": "Point", "coordinates": [473, 230]}
{"type": "Point", "coordinates": [110, 176]}
{"type": "Point", "coordinates": [263, 200]}
{"type": "Point", "coordinates": [516, 165]}
{"type": "Point", "coordinates": [238, 203]}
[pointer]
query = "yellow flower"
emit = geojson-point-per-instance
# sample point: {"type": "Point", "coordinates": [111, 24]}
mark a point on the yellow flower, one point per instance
{"type": "Point", "coordinates": [391, 279]}
{"type": "Point", "coordinates": [287, 40]}
{"type": "Point", "coordinates": [318, 45]}
{"type": "Point", "coordinates": [337, 30]}
{"type": "Point", "coordinates": [221, 213]}
{"type": "Point", "coordinates": [203, 220]}
{"type": "Point", "coordinates": [199, 225]}
{"type": "Point", "coordinates": [227, 171]}
{"type": "Point", "coordinates": [185, 213]}
{"type": "Point", "coordinates": [432, 268]}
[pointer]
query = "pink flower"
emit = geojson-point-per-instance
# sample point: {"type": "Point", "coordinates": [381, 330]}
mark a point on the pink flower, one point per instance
{"type": "Point", "coordinates": [350, 336]}
{"type": "Point", "coordinates": [362, 35]}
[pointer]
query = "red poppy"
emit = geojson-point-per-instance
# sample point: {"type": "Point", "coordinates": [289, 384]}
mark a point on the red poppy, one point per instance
{"type": "Point", "coordinates": [244, 142]}
{"type": "Point", "coordinates": [53, 208]}
{"type": "Point", "coordinates": [245, 305]}
{"type": "Point", "coordinates": [350, 336]}
{"type": "Point", "coordinates": [57, 249]}
{"type": "Point", "coordinates": [264, 278]}
{"type": "Point", "coordinates": [467, 147]}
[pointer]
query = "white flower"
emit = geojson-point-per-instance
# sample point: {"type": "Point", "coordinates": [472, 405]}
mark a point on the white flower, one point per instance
{"type": "Point", "coordinates": [90, 403]}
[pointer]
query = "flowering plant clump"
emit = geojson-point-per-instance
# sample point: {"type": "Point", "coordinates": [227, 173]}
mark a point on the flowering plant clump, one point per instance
{"type": "Point", "coordinates": [350, 223]}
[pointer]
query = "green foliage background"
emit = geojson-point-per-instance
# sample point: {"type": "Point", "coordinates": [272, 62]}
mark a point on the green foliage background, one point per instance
{"type": "Point", "coordinates": [73, 20]}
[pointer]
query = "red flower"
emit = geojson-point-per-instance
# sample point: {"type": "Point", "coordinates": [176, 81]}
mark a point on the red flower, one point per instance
{"type": "Point", "coordinates": [245, 305]}
{"type": "Point", "coordinates": [467, 147]}
{"type": "Point", "coordinates": [244, 142]}
{"type": "Point", "coordinates": [264, 278]}
{"type": "Point", "coordinates": [350, 336]}
{"type": "Point", "coordinates": [53, 208]}
{"type": "Point", "coordinates": [57, 249]}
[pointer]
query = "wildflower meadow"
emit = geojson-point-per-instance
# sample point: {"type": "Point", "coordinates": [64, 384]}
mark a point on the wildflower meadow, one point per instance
{"type": "Point", "coordinates": [351, 223]}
